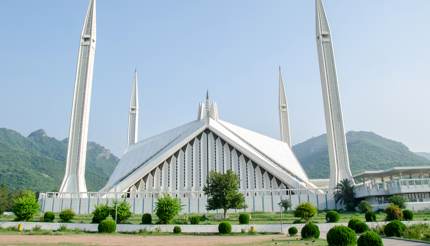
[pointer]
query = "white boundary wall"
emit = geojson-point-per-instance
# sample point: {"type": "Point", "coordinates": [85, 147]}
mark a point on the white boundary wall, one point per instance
{"type": "Point", "coordinates": [192, 202]}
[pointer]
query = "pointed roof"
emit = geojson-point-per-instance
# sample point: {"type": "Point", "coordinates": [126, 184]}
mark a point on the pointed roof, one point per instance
{"type": "Point", "coordinates": [321, 19]}
{"type": "Point", "coordinates": [89, 29]}
{"type": "Point", "coordinates": [283, 112]}
{"type": "Point", "coordinates": [273, 155]}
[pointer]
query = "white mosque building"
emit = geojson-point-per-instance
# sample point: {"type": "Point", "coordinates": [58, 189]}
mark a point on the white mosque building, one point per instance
{"type": "Point", "coordinates": [178, 161]}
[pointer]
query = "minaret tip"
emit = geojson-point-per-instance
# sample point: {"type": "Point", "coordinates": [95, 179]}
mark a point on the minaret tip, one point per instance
{"type": "Point", "coordinates": [207, 94]}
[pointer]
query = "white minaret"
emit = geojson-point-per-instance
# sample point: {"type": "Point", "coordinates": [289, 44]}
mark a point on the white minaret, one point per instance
{"type": "Point", "coordinates": [337, 147]}
{"type": "Point", "coordinates": [74, 178]}
{"type": "Point", "coordinates": [133, 115]}
{"type": "Point", "coordinates": [284, 122]}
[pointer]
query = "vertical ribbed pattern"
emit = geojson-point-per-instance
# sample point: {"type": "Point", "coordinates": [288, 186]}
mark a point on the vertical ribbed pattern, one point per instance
{"type": "Point", "coordinates": [187, 169]}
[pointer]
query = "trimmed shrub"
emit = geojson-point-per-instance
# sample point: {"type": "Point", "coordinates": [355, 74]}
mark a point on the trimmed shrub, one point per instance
{"type": "Point", "coordinates": [369, 238]}
{"type": "Point", "coordinates": [310, 230]}
{"type": "Point", "coordinates": [393, 212]}
{"type": "Point", "coordinates": [100, 213]}
{"type": "Point", "coordinates": [147, 219]}
{"type": "Point", "coordinates": [394, 229]}
{"type": "Point", "coordinates": [292, 231]}
{"type": "Point", "coordinates": [252, 230]}
{"type": "Point", "coordinates": [243, 219]}
{"type": "Point", "coordinates": [332, 216]}
{"type": "Point", "coordinates": [194, 220]}
{"type": "Point", "coordinates": [341, 236]}
{"type": "Point", "coordinates": [361, 227]}
{"type": "Point", "coordinates": [167, 208]}
{"type": "Point", "coordinates": [25, 206]}
{"type": "Point", "coordinates": [177, 229]}
{"type": "Point", "coordinates": [305, 211]}
{"type": "Point", "coordinates": [122, 211]}
{"type": "Point", "coordinates": [224, 227]}
{"type": "Point", "coordinates": [364, 206]}
{"type": "Point", "coordinates": [408, 214]}
{"type": "Point", "coordinates": [48, 217]}
{"type": "Point", "coordinates": [107, 226]}
{"type": "Point", "coordinates": [352, 223]}
{"type": "Point", "coordinates": [67, 215]}
{"type": "Point", "coordinates": [398, 200]}
{"type": "Point", "coordinates": [370, 216]}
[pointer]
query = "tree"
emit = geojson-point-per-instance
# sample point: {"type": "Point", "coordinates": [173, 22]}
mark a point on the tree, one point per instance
{"type": "Point", "coordinates": [4, 199]}
{"type": "Point", "coordinates": [120, 211]}
{"type": "Point", "coordinates": [167, 208]}
{"type": "Point", "coordinates": [345, 195]}
{"type": "Point", "coordinates": [305, 211]}
{"type": "Point", "coordinates": [25, 206]}
{"type": "Point", "coordinates": [285, 204]}
{"type": "Point", "coordinates": [223, 192]}
{"type": "Point", "coordinates": [398, 200]}
{"type": "Point", "coordinates": [364, 206]}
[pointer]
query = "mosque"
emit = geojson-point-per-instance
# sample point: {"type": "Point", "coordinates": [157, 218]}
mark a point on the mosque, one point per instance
{"type": "Point", "coordinates": [178, 161]}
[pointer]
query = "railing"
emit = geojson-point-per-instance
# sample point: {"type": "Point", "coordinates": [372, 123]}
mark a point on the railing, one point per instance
{"type": "Point", "coordinates": [393, 187]}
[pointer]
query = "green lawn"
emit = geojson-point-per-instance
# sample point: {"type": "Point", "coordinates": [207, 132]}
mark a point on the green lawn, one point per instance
{"type": "Point", "coordinates": [289, 242]}
{"type": "Point", "coordinates": [256, 218]}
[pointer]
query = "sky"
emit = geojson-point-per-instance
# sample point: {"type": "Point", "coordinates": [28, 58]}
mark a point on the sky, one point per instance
{"type": "Point", "coordinates": [231, 48]}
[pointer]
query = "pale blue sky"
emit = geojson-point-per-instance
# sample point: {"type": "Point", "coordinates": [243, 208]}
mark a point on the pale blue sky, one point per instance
{"type": "Point", "coordinates": [232, 48]}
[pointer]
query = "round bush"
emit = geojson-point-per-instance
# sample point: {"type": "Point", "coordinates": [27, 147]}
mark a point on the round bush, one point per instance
{"type": "Point", "coordinates": [100, 213]}
{"type": "Point", "coordinates": [67, 215]}
{"type": "Point", "coordinates": [361, 227]}
{"type": "Point", "coordinates": [177, 229]}
{"type": "Point", "coordinates": [310, 230]}
{"type": "Point", "coordinates": [107, 226]}
{"type": "Point", "coordinates": [194, 220]}
{"type": "Point", "coordinates": [292, 231]}
{"type": "Point", "coordinates": [305, 211]}
{"type": "Point", "coordinates": [341, 236]}
{"type": "Point", "coordinates": [243, 219]}
{"type": "Point", "coordinates": [146, 219]}
{"type": "Point", "coordinates": [332, 216]}
{"type": "Point", "coordinates": [394, 229]}
{"type": "Point", "coordinates": [48, 217]}
{"type": "Point", "coordinates": [393, 212]}
{"type": "Point", "coordinates": [408, 214]}
{"type": "Point", "coordinates": [167, 208]}
{"type": "Point", "coordinates": [370, 216]}
{"type": "Point", "coordinates": [369, 238]}
{"type": "Point", "coordinates": [224, 227]}
{"type": "Point", "coordinates": [364, 206]}
{"type": "Point", "coordinates": [352, 223]}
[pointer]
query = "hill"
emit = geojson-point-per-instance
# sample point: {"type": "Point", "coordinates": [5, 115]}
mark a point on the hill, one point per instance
{"type": "Point", "coordinates": [367, 151]}
{"type": "Point", "coordinates": [37, 162]}
{"type": "Point", "coordinates": [424, 154]}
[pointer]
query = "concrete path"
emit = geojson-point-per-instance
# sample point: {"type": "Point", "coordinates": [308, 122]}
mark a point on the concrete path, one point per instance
{"type": "Point", "coordinates": [395, 242]}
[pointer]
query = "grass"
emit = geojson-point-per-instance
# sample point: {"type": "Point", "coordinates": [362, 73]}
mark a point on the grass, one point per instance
{"type": "Point", "coordinates": [289, 242]}
{"type": "Point", "coordinates": [256, 218]}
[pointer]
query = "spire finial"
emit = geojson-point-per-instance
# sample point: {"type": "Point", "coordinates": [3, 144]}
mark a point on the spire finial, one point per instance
{"type": "Point", "coordinates": [207, 94]}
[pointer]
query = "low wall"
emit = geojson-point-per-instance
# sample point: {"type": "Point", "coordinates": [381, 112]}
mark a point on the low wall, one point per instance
{"type": "Point", "coordinates": [263, 228]}
{"type": "Point", "coordinates": [84, 203]}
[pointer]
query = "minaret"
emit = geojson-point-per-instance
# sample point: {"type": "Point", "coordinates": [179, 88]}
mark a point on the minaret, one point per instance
{"type": "Point", "coordinates": [74, 178]}
{"type": "Point", "coordinates": [284, 122]}
{"type": "Point", "coordinates": [133, 115]}
{"type": "Point", "coordinates": [337, 147]}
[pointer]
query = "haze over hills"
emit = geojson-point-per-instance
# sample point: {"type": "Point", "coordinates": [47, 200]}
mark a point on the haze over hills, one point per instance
{"type": "Point", "coordinates": [424, 154]}
{"type": "Point", "coordinates": [367, 151]}
{"type": "Point", "coordinates": [37, 162]}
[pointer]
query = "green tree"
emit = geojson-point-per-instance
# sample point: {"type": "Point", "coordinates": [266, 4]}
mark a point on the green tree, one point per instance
{"type": "Point", "coordinates": [305, 211]}
{"type": "Point", "coordinates": [345, 195]}
{"type": "Point", "coordinates": [364, 206]}
{"type": "Point", "coordinates": [25, 206]}
{"type": "Point", "coordinates": [167, 208]}
{"type": "Point", "coordinates": [4, 199]}
{"type": "Point", "coordinates": [285, 204]}
{"type": "Point", "coordinates": [398, 200]}
{"type": "Point", "coordinates": [223, 192]}
{"type": "Point", "coordinates": [120, 211]}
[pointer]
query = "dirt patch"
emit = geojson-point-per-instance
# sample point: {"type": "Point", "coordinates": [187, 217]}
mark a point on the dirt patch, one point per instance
{"type": "Point", "coordinates": [132, 240]}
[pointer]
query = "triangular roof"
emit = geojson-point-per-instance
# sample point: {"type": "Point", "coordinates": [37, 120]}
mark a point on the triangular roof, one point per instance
{"type": "Point", "coordinates": [274, 155]}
